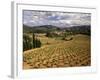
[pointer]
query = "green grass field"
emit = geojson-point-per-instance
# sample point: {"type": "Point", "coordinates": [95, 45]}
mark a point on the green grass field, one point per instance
{"type": "Point", "coordinates": [56, 53]}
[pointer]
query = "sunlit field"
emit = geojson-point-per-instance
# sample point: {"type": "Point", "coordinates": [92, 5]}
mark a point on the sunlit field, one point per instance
{"type": "Point", "coordinates": [58, 53]}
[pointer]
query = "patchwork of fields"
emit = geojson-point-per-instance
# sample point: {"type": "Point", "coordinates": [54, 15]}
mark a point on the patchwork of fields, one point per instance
{"type": "Point", "coordinates": [56, 53]}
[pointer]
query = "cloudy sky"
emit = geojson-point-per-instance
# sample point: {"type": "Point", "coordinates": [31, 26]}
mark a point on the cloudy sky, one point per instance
{"type": "Point", "coordinates": [60, 19]}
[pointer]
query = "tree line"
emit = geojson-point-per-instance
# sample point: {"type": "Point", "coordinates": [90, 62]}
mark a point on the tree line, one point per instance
{"type": "Point", "coordinates": [30, 42]}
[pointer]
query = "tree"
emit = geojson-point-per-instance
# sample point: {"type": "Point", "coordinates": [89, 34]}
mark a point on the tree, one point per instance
{"type": "Point", "coordinates": [48, 34]}
{"type": "Point", "coordinates": [26, 42]}
{"type": "Point", "coordinates": [36, 42]}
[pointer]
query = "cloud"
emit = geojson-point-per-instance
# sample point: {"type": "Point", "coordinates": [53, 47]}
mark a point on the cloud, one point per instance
{"type": "Point", "coordinates": [61, 19]}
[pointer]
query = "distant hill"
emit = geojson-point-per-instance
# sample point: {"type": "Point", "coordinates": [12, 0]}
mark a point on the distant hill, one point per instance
{"type": "Point", "coordinates": [40, 29]}
{"type": "Point", "coordinates": [84, 29]}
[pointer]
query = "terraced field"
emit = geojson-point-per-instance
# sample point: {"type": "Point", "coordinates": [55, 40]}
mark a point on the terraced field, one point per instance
{"type": "Point", "coordinates": [71, 53]}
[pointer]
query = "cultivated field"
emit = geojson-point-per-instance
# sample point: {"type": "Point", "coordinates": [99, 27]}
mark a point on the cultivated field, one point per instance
{"type": "Point", "coordinates": [56, 53]}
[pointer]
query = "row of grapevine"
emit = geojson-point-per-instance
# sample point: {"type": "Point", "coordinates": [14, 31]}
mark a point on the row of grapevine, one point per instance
{"type": "Point", "coordinates": [58, 56]}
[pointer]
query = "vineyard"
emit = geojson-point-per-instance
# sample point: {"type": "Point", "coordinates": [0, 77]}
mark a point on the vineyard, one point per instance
{"type": "Point", "coordinates": [71, 53]}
